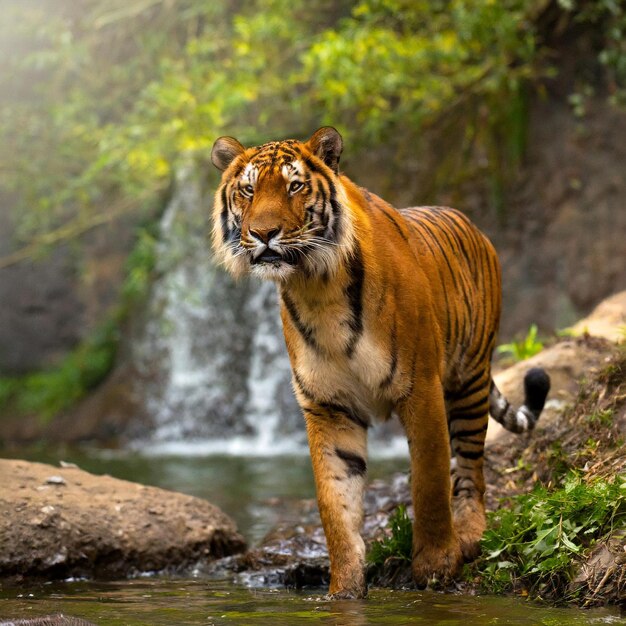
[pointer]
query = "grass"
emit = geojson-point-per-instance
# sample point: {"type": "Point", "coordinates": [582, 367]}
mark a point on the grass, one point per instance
{"type": "Point", "coordinates": [602, 417]}
{"type": "Point", "coordinates": [524, 348]}
{"type": "Point", "coordinates": [398, 542]}
{"type": "Point", "coordinates": [534, 545]}
{"type": "Point", "coordinates": [48, 392]}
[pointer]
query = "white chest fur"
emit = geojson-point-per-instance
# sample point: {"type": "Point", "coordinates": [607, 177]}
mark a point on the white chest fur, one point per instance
{"type": "Point", "coordinates": [330, 364]}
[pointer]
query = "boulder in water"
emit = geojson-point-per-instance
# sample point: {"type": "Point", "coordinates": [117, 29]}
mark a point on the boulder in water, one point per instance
{"type": "Point", "coordinates": [64, 522]}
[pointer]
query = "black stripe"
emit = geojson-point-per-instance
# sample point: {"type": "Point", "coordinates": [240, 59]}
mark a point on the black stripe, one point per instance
{"type": "Point", "coordinates": [454, 415]}
{"type": "Point", "coordinates": [331, 407]}
{"type": "Point", "coordinates": [323, 213]}
{"type": "Point", "coordinates": [437, 222]}
{"type": "Point", "coordinates": [354, 292]}
{"type": "Point", "coordinates": [479, 357]}
{"type": "Point", "coordinates": [452, 339]}
{"type": "Point", "coordinates": [306, 392]}
{"type": "Point", "coordinates": [311, 208]}
{"type": "Point", "coordinates": [305, 331]}
{"type": "Point", "coordinates": [336, 209]}
{"type": "Point", "coordinates": [355, 463]}
{"type": "Point", "coordinates": [463, 483]}
{"type": "Point", "coordinates": [458, 233]}
{"type": "Point", "coordinates": [435, 240]}
{"type": "Point", "coordinates": [311, 165]}
{"type": "Point", "coordinates": [474, 405]}
{"type": "Point", "coordinates": [470, 454]}
{"type": "Point", "coordinates": [467, 388]}
{"type": "Point", "coordinates": [226, 234]}
{"type": "Point", "coordinates": [468, 433]}
{"type": "Point", "coordinates": [394, 357]}
{"type": "Point", "coordinates": [392, 219]}
{"type": "Point", "coordinates": [310, 411]}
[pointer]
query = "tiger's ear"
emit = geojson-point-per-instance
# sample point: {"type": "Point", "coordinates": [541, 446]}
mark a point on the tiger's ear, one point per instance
{"type": "Point", "coordinates": [225, 149]}
{"type": "Point", "coordinates": [327, 144]}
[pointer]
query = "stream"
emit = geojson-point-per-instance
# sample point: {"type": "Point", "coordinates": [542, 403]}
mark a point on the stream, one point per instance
{"type": "Point", "coordinates": [256, 491]}
{"type": "Point", "coordinates": [176, 602]}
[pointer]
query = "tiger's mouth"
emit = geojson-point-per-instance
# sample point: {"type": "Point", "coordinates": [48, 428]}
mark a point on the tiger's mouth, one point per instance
{"type": "Point", "coordinates": [273, 257]}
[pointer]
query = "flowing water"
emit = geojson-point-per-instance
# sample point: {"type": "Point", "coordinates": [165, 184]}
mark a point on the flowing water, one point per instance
{"type": "Point", "coordinates": [209, 352]}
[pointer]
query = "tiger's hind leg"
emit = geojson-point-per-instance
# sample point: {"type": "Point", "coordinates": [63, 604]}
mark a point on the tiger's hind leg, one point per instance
{"type": "Point", "coordinates": [436, 550]}
{"type": "Point", "coordinates": [468, 416]}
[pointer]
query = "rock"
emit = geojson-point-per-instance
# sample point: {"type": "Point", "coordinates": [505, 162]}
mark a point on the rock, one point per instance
{"type": "Point", "coordinates": [102, 527]}
{"type": "Point", "coordinates": [601, 574]}
{"type": "Point", "coordinates": [607, 320]}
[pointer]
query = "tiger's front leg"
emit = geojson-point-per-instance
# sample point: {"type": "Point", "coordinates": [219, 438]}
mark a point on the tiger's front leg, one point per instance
{"type": "Point", "coordinates": [338, 445]}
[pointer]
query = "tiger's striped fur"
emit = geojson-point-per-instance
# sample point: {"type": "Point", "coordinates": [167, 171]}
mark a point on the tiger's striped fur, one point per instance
{"type": "Point", "coordinates": [383, 311]}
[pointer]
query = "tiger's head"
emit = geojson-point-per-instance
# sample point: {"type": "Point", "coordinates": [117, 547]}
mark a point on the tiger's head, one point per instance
{"type": "Point", "coordinates": [279, 209]}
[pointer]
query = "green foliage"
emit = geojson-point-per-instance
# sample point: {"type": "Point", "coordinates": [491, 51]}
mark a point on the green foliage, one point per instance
{"type": "Point", "coordinates": [139, 268]}
{"type": "Point", "coordinates": [123, 88]}
{"type": "Point", "coordinates": [602, 417]}
{"type": "Point", "coordinates": [99, 99]}
{"type": "Point", "coordinates": [398, 543]}
{"type": "Point", "coordinates": [49, 392]}
{"type": "Point", "coordinates": [524, 348]}
{"type": "Point", "coordinates": [406, 63]}
{"type": "Point", "coordinates": [607, 19]}
{"type": "Point", "coordinates": [116, 91]}
{"type": "Point", "coordinates": [533, 544]}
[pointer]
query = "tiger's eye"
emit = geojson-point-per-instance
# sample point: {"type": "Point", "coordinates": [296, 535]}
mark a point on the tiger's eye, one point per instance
{"type": "Point", "coordinates": [248, 190]}
{"type": "Point", "coordinates": [295, 186]}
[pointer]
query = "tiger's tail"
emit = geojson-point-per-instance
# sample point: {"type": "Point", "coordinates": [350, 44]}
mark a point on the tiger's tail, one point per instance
{"type": "Point", "coordinates": [523, 419]}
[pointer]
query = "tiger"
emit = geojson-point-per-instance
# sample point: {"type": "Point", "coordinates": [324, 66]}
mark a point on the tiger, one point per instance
{"type": "Point", "coordinates": [384, 312]}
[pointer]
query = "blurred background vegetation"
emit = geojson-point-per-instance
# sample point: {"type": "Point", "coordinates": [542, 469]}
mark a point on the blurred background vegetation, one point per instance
{"type": "Point", "coordinates": [102, 100]}
{"type": "Point", "coordinates": [99, 99]}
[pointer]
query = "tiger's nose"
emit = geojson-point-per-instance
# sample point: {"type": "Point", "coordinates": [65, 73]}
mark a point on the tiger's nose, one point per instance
{"type": "Point", "coordinates": [264, 235]}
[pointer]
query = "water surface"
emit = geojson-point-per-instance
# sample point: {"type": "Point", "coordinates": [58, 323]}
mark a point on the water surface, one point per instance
{"type": "Point", "coordinates": [190, 602]}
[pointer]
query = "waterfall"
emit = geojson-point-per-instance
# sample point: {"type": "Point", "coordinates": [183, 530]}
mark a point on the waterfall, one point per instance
{"type": "Point", "coordinates": [214, 371]}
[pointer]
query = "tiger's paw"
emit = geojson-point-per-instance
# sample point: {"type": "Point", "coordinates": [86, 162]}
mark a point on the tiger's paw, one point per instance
{"type": "Point", "coordinates": [349, 586]}
{"type": "Point", "coordinates": [441, 564]}
{"type": "Point", "coordinates": [470, 524]}
{"type": "Point", "coordinates": [348, 594]}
